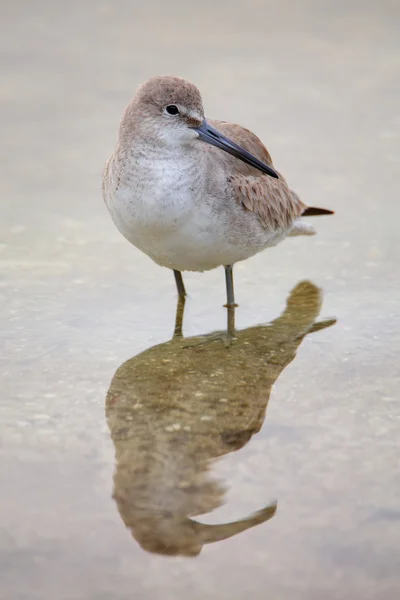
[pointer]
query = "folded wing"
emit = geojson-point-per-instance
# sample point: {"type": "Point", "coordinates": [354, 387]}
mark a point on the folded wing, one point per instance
{"type": "Point", "coordinates": [275, 204]}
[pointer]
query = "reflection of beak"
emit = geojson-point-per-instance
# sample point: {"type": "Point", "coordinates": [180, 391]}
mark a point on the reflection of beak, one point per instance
{"type": "Point", "coordinates": [212, 136]}
{"type": "Point", "coordinates": [216, 533]}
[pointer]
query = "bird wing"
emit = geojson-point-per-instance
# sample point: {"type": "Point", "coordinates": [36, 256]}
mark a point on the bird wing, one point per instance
{"type": "Point", "coordinates": [270, 199]}
{"type": "Point", "coordinates": [275, 204]}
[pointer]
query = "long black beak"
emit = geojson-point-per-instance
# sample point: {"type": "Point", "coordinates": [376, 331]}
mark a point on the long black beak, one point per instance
{"type": "Point", "coordinates": [212, 136]}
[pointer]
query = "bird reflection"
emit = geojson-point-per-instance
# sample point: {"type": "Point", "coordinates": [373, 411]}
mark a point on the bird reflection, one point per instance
{"type": "Point", "coordinates": [178, 405]}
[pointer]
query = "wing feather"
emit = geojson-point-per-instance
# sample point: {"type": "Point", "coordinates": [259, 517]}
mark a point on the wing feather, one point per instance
{"type": "Point", "coordinates": [275, 204]}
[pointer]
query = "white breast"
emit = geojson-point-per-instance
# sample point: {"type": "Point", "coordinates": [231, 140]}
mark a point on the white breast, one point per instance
{"type": "Point", "coordinates": [165, 206]}
{"type": "Point", "coordinates": [152, 193]}
{"type": "Point", "coordinates": [161, 207]}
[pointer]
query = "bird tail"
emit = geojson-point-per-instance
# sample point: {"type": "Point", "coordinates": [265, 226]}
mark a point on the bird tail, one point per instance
{"type": "Point", "coordinates": [312, 211]}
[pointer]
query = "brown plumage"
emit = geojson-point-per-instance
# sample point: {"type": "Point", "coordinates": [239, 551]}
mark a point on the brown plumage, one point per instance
{"type": "Point", "coordinates": [275, 204]}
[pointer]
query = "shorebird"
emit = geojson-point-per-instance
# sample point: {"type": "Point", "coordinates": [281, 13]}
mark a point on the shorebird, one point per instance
{"type": "Point", "coordinates": [194, 194]}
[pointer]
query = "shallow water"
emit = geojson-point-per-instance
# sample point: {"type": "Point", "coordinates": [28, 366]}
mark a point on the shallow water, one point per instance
{"type": "Point", "coordinates": [106, 469]}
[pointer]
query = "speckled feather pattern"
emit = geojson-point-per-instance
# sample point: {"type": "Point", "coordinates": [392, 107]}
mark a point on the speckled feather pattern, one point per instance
{"type": "Point", "coordinates": [271, 200]}
{"type": "Point", "coordinates": [275, 204]}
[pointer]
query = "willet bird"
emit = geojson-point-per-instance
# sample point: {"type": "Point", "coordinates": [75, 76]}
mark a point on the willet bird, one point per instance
{"type": "Point", "coordinates": [194, 194]}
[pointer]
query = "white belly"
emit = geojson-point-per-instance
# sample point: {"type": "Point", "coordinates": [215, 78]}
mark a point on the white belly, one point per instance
{"type": "Point", "coordinates": [185, 237]}
{"type": "Point", "coordinates": [167, 214]}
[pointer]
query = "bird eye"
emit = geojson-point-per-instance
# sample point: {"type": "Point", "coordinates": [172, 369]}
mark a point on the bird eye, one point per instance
{"type": "Point", "coordinates": [172, 109]}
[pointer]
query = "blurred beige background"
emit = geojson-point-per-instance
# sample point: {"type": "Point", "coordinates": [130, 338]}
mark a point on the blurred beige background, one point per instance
{"type": "Point", "coordinates": [318, 81]}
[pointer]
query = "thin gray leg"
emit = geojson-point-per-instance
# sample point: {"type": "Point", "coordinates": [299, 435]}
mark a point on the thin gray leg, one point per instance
{"type": "Point", "coordinates": [230, 304]}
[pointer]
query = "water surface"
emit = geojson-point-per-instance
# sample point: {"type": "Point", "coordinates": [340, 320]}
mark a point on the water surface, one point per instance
{"type": "Point", "coordinates": [119, 447]}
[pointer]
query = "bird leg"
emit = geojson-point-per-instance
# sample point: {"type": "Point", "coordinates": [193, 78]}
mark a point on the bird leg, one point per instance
{"type": "Point", "coordinates": [230, 302]}
{"type": "Point", "coordinates": [180, 307]}
{"type": "Point", "coordinates": [226, 337]}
